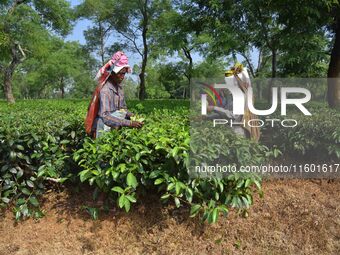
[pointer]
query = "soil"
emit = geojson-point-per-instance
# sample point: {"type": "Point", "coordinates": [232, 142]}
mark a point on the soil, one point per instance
{"type": "Point", "coordinates": [293, 217]}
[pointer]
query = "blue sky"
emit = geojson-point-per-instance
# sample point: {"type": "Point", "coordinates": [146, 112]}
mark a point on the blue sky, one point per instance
{"type": "Point", "coordinates": [77, 33]}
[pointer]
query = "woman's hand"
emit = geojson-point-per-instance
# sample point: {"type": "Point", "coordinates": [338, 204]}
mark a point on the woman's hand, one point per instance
{"type": "Point", "coordinates": [136, 124]}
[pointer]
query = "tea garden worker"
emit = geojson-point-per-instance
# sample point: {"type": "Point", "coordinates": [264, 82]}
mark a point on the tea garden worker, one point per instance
{"type": "Point", "coordinates": [113, 111]}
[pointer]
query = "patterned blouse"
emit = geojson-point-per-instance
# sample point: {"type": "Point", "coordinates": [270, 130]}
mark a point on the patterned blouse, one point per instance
{"type": "Point", "coordinates": [111, 100]}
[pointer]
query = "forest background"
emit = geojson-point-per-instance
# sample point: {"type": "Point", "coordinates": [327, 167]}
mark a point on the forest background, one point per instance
{"type": "Point", "coordinates": [169, 44]}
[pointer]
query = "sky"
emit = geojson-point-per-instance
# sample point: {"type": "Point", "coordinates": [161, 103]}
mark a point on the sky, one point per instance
{"type": "Point", "coordinates": [77, 33]}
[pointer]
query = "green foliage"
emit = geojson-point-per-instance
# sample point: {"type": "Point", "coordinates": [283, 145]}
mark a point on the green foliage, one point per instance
{"type": "Point", "coordinates": [301, 38]}
{"type": "Point", "coordinates": [305, 56]}
{"type": "Point", "coordinates": [93, 212]}
{"type": "Point", "coordinates": [175, 33]}
{"type": "Point", "coordinates": [210, 69]}
{"type": "Point", "coordinates": [37, 142]}
{"type": "Point", "coordinates": [55, 14]}
{"type": "Point", "coordinates": [26, 29]}
{"type": "Point", "coordinates": [163, 80]}
{"type": "Point", "coordinates": [130, 89]}
{"type": "Point", "coordinates": [170, 80]}
{"type": "Point", "coordinates": [316, 137]}
{"type": "Point", "coordinates": [125, 162]}
{"type": "Point", "coordinates": [36, 145]}
{"type": "Point", "coordinates": [220, 145]}
{"type": "Point", "coordinates": [60, 70]}
{"type": "Point", "coordinates": [48, 144]}
{"type": "Point", "coordinates": [102, 14]}
{"type": "Point", "coordinates": [25, 22]}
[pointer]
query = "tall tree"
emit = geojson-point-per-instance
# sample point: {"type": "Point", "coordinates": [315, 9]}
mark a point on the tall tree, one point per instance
{"type": "Point", "coordinates": [60, 68]}
{"type": "Point", "coordinates": [65, 66]}
{"type": "Point", "coordinates": [20, 22]}
{"type": "Point", "coordinates": [175, 33]}
{"type": "Point", "coordinates": [333, 73]}
{"type": "Point", "coordinates": [294, 32]}
{"type": "Point", "coordinates": [102, 15]}
{"type": "Point", "coordinates": [314, 18]}
{"type": "Point", "coordinates": [137, 16]}
{"type": "Point", "coordinates": [239, 26]}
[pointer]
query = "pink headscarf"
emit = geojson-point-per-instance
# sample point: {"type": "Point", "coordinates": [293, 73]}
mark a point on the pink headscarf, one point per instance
{"type": "Point", "coordinates": [118, 61]}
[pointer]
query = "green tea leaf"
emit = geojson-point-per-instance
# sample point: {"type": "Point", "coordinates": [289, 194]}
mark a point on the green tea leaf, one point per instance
{"type": "Point", "coordinates": [93, 212]}
{"type": "Point", "coordinates": [25, 191]}
{"type": "Point", "coordinates": [118, 189]}
{"type": "Point", "coordinates": [159, 181]}
{"type": "Point", "coordinates": [121, 201]}
{"type": "Point", "coordinates": [5, 200]}
{"type": "Point", "coordinates": [195, 210]}
{"type": "Point", "coordinates": [34, 201]}
{"type": "Point", "coordinates": [131, 198]}
{"type": "Point", "coordinates": [30, 183]}
{"type": "Point", "coordinates": [127, 205]}
{"type": "Point", "coordinates": [131, 180]}
{"type": "Point", "coordinates": [177, 202]}
{"type": "Point", "coordinates": [20, 147]}
{"type": "Point", "coordinates": [165, 196]}
{"type": "Point", "coordinates": [215, 215]}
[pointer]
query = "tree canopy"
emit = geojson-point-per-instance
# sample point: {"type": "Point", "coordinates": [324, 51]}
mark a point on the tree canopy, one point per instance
{"type": "Point", "coordinates": [170, 42]}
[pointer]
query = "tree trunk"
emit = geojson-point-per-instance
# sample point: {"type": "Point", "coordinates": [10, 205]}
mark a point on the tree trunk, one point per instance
{"type": "Point", "coordinates": [259, 62]}
{"type": "Point", "coordinates": [8, 74]}
{"type": "Point", "coordinates": [62, 87]}
{"type": "Point", "coordinates": [189, 57]}
{"type": "Point", "coordinates": [142, 92]}
{"type": "Point", "coordinates": [257, 85]}
{"type": "Point", "coordinates": [102, 46]}
{"type": "Point", "coordinates": [333, 75]}
{"type": "Point", "coordinates": [271, 82]}
{"type": "Point", "coordinates": [233, 54]}
{"type": "Point", "coordinates": [258, 69]}
{"type": "Point", "coordinates": [250, 66]}
{"type": "Point", "coordinates": [9, 71]}
{"type": "Point", "coordinates": [15, 47]}
{"type": "Point", "coordinates": [142, 84]}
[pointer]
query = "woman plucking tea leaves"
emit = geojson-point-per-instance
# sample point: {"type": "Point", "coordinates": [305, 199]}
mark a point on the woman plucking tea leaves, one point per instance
{"type": "Point", "coordinates": [108, 102]}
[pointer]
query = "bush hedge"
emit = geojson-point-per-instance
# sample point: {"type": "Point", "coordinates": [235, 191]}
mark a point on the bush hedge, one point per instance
{"type": "Point", "coordinates": [316, 137]}
{"type": "Point", "coordinates": [43, 142]}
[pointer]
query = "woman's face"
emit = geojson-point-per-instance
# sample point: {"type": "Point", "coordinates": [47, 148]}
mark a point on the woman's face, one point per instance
{"type": "Point", "coordinates": [119, 77]}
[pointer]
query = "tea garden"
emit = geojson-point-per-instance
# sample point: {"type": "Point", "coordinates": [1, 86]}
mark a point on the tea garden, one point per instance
{"type": "Point", "coordinates": [43, 144]}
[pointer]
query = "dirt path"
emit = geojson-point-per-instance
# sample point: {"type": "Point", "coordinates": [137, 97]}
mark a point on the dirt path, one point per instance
{"type": "Point", "coordinates": [294, 217]}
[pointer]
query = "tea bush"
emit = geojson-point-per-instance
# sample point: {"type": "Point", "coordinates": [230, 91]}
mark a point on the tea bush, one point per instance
{"type": "Point", "coordinates": [315, 137]}
{"type": "Point", "coordinates": [37, 140]}
{"type": "Point", "coordinates": [125, 162]}
{"type": "Point", "coordinates": [43, 141]}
